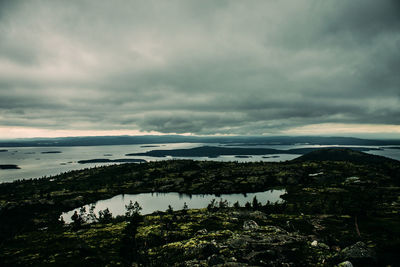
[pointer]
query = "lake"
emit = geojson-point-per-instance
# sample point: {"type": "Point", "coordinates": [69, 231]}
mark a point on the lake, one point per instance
{"type": "Point", "coordinates": [35, 162]}
{"type": "Point", "coordinates": [151, 202]}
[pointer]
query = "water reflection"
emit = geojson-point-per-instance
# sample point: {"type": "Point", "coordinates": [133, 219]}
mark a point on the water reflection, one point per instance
{"type": "Point", "coordinates": [151, 202]}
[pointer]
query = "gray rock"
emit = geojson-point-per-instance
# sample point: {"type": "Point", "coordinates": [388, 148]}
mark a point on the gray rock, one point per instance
{"type": "Point", "coordinates": [202, 232]}
{"type": "Point", "coordinates": [239, 242]}
{"type": "Point", "coordinates": [191, 263]}
{"type": "Point", "coordinates": [358, 253]}
{"type": "Point", "coordinates": [233, 259]}
{"type": "Point", "coordinates": [202, 251]}
{"type": "Point", "coordinates": [345, 264]}
{"type": "Point", "coordinates": [258, 215]}
{"type": "Point", "coordinates": [250, 225]}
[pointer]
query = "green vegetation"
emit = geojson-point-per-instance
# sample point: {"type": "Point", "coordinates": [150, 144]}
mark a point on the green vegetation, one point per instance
{"type": "Point", "coordinates": [333, 211]}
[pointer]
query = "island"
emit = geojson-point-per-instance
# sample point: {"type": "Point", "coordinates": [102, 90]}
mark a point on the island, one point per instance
{"type": "Point", "coordinates": [213, 151]}
{"type": "Point", "coordinates": [8, 166]}
{"type": "Point", "coordinates": [110, 161]}
{"type": "Point", "coordinates": [242, 156]}
{"type": "Point", "coordinates": [51, 152]}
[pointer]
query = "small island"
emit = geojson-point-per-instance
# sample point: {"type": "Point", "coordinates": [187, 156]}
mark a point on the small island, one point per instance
{"type": "Point", "coordinates": [242, 156]}
{"type": "Point", "coordinates": [270, 157]}
{"type": "Point", "coordinates": [111, 161]}
{"type": "Point", "coordinates": [9, 167]}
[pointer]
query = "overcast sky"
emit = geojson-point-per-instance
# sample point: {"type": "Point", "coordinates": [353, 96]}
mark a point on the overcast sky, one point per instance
{"type": "Point", "coordinates": [272, 67]}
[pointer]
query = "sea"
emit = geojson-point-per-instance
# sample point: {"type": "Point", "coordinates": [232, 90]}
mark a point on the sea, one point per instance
{"type": "Point", "coordinates": [37, 162]}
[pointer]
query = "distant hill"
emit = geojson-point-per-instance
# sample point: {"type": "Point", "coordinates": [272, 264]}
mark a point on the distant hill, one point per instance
{"type": "Point", "coordinates": [226, 140]}
{"type": "Point", "coordinates": [342, 154]}
{"type": "Point", "coordinates": [214, 151]}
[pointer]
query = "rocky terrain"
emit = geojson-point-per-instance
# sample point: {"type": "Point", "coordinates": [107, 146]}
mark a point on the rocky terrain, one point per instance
{"type": "Point", "coordinates": [337, 211]}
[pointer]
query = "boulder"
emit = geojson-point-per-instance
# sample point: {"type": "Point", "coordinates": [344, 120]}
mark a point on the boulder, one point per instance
{"type": "Point", "coordinates": [202, 232]}
{"type": "Point", "coordinates": [345, 264]}
{"type": "Point", "coordinates": [250, 225]}
{"type": "Point", "coordinates": [258, 215]}
{"type": "Point", "coordinates": [202, 251]}
{"type": "Point", "coordinates": [358, 253]}
{"type": "Point", "coordinates": [239, 242]}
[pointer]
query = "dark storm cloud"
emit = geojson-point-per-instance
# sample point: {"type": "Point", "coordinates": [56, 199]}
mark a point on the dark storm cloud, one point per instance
{"type": "Point", "coordinates": [202, 67]}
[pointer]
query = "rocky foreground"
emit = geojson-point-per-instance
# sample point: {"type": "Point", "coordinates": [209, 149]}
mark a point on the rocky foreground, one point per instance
{"type": "Point", "coordinates": [206, 237]}
{"type": "Point", "coordinates": [247, 238]}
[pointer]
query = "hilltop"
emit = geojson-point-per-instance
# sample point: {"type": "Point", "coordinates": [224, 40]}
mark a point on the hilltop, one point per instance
{"type": "Point", "coordinates": [336, 208]}
{"type": "Point", "coordinates": [342, 154]}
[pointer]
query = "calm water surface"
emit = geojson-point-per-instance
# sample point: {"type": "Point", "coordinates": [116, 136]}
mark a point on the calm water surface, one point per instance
{"type": "Point", "coordinates": [151, 202]}
{"type": "Point", "coordinates": [35, 164]}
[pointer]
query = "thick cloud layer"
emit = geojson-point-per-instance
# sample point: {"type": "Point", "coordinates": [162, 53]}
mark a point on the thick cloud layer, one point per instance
{"type": "Point", "coordinates": [202, 67]}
